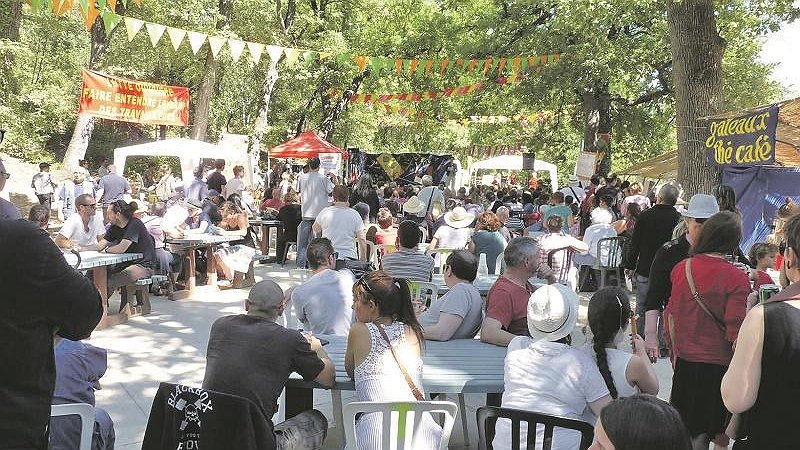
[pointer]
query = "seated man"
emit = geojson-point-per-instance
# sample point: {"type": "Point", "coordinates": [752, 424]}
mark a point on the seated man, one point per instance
{"type": "Point", "coordinates": [342, 225]}
{"type": "Point", "coordinates": [82, 231]}
{"type": "Point", "coordinates": [324, 303]}
{"type": "Point", "coordinates": [601, 228]}
{"type": "Point", "coordinates": [251, 356]}
{"type": "Point", "coordinates": [79, 367]}
{"type": "Point", "coordinates": [458, 313]}
{"type": "Point", "coordinates": [127, 234]}
{"type": "Point", "coordinates": [167, 263]}
{"type": "Point", "coordinates": [408, 262]}
{"type": "Point", "coordinates": [507, 301]}
{"type": "Point", "coordinates": [555, 239]}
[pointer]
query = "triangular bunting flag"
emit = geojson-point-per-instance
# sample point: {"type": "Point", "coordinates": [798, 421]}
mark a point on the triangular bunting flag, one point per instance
{"type": "Point", "coordinates": [112, 5]}
{"type": "Point", "coordinates": [413, 66]}
{"type": "Point", "coordinates": [555, 58]}
{"type": "Point", "coordinates": [443, 66]}
{"type": "Point", "coordinates": [133, 26]}
{"type": "Point", "coordinates": [324, 55]}
{"type": "Point", "coordinates": [428, 66]}
{"type": "Point", "coordinates": [398, 66]}
{"type": "Point", "coordinates": [215, 44]}
{"type": "Point", "coordinates": [309, 58]}
{"type": "Point", "coordinates": [196, 40]}
{"type": "Point", "coordinates": [90, 14]}
{"type": "Point", "coordinates": [471, 66]}
{"type": "Point", "coordinates": [236, 47]}
{"type": "Point", "coordinates": [376, 64]}
{"type": "Point", "coordinates": [292, 55]}
{"type": "Point", "coordinates": [110, 21]}
{"type": "Point", "coordinates": [60, 7]}
{"type": "Point", "coordinates": [176, 36]}
{"type": "Point", "coordinates": [361, 62]}
{"type": "Point", "coordinates": [155, 31]}
{"type": "Point", "coordinates": [256, 50]}
{"type": "Point", "coordinates": [501, 66]}
{"type": "Point", "coordinates": [274, 53]}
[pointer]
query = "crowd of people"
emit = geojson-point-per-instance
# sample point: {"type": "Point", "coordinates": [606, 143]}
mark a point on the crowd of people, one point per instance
{"type": "Point", "coordinates": [696, 300]}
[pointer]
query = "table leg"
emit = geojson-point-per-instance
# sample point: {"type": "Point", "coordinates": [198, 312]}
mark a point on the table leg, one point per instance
{"type": "Point", "coordinates": [211, 266]}
{"type": "Point", "coordinates": [298, 400]}
{"type": "Point", "coordinates": [191, 280]}
{"type": "Point", "coordinates": [100, 279]}
{"type": "Point", "coordinates": [264, 240]}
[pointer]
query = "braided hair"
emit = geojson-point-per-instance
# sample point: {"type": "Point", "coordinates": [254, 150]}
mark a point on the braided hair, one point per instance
{"type": "Point", "coordinates": [609, 310]}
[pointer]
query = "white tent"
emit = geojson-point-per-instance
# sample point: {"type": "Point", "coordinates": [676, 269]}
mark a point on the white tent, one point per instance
{"type": "Point", "coordinates": [514, 162]}
{"type": "Point", "coordinates": [190, 152]}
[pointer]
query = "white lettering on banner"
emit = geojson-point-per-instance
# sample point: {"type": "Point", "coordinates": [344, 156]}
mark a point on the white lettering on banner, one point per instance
{"type": "Point", "coordinates": [330, 162]}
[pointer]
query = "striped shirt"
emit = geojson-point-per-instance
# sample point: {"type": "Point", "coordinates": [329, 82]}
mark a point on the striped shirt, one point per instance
{"type": "Point", "coordinates": [409, 264]}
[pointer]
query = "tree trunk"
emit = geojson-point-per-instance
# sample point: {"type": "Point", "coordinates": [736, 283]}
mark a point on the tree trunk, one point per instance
{"type": "Point", "coordinates": [697, 50]}
{"type": "Point", "coordinates": [262, 121]}
{"type": "Point", "coordinates": [328, 124]}
{"type": "Point", "coordinates": [9, 25]}
{"type": "Point", "coordinates": [203, 98]}
{"type": "Point", "coordinates": [597, 114]}
{"type": "Point", "coordinates": [84, 125]}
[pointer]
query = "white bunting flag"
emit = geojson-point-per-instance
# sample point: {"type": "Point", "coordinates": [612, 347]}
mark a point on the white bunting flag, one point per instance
{"type": "Point", "coordinates": [291, 56]}
{"type": "Point", "coordinates": [274, 52]}
{"type": "Point", "coordinates": [155, 31]}
{"type": "Point", "coordinates": [236, 46]}
{"type": "Point", "coordinates": [196, 40]}
{"type": "Point", "coordinates": [133, 26]}
{"type": "Point", "coordinates": [255, 51]}
{"type": "Point", "coordinates": [176, 36]}
{"type": "Point", "coordinates": [215, 43]}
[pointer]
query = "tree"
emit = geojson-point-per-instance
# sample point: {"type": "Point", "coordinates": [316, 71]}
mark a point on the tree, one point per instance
{"type": "Point", "coordinates": [203, 99]}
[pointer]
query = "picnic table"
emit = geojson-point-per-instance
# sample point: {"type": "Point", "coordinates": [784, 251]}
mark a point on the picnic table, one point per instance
{"type": "Point", "coordinates": [99, 263]}
{"type": "Point", "coordinates": [190, 242]}
{"type": "Point", "coordinates": [482, 283]}
{"type": "Point", "coordinates": [459, 366]}
{"type": "Point", "coordinates": [263, 238]}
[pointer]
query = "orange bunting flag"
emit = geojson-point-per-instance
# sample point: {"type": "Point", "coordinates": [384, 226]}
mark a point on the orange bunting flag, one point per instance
{"type": "Point", "coordinates": [60, 7]}
{"type": "Point", "coordinates": [501, 65]}
{"type": "Point", "coordinates": [472, 65]}
{"type": "Point", "coordinates": [412, 68]}
{"type": "Point", "coordinates": [414, 96]}
{"type": "Point", "coordinates": [443, 66]}
{"type": "Point", "coordinates": [361, 62]}
{"type": "Point", "coordinates": [428, 66]}
{"type": "Point", "coordinates": [487, 65]}
{"type": "Point", "coordinates": [398, 66]}
{"type": "Point", "coordinates": [90, 14]}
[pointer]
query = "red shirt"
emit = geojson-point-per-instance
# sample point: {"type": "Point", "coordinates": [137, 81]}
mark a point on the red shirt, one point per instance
{"type": "Point", "coordinates": [763, 278]}
{"type": "Point", "coordinates": [723, 287]}
{"type": "Point", "coordinates": [507, 302]}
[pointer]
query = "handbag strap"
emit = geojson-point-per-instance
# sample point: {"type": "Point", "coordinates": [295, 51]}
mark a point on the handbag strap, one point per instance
{"type": "Point", "coordinates": [696, 296]}
{"type": "Point", "coordinates": [417, 394]}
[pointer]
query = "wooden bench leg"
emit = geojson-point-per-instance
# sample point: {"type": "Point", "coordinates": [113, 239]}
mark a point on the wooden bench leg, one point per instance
{"type": "Point", "coordinates": [143, 296]}
{"type": "Point", "coordinates": [123, 293]}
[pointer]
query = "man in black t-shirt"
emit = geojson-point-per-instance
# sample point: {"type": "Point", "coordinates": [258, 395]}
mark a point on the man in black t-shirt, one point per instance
{"type": "Point", "coordinates": [42, 295]}
{"type": "Point", "coordinates": [127, 234]}
{"type": "Point", "coordinates": [251, 356]}
{"type": "Point", "coordinates": [216, 180]}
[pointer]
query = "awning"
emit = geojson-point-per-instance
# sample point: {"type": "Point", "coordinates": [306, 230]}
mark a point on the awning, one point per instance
{"type": "Point", "coordinates": [306, 145]}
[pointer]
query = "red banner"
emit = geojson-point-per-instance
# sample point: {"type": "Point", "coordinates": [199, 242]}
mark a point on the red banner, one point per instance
{"type": "Point", "coordinates": [126, 100]}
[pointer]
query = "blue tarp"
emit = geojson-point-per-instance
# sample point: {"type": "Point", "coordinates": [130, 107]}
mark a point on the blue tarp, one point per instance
{"type": "Point", "coordinates": [760, 191]}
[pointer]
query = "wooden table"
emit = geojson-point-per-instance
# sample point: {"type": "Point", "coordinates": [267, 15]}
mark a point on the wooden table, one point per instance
{"type": "Point", "coordinates": [460, 366]}
{"type": "Point", "coordinates": [190, 242]}
{"type": "Point", "coordinates": [263, 240]}
{"type": "Point", "coordinates": [99, 263]}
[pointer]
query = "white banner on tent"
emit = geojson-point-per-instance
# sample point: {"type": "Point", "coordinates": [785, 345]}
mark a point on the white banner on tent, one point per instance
{"type": "Point", "coordinates": [330, 162]}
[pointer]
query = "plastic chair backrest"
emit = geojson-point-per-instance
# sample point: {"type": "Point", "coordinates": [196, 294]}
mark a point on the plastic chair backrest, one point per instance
{"type": "Point", "coordinates": [421, 288]}
{"type": "Point", "coordinates": [370, 250]}
{"type": "Point", "coordinates": [498, 264]}
{"type": "Point", "coordinates": [609, 251]}
{"type": "Point", "coordinates": [395, 417]}
{"type": "Point", "coordinates": [86, 413]}
{"type": "Point", "coordinates": [564, 255]}
{"type": "Point", "coordinates": [300, 274]}
{"type": "Point", "coordinates": [492, 413]}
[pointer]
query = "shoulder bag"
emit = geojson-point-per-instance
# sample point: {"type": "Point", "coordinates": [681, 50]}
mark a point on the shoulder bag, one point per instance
{"type": "Point", "coordinates": [696, 296]}
{"type": "Point", "coordinates": [417, 394]}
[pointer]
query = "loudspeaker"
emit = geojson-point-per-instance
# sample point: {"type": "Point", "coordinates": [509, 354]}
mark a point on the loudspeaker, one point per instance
{"type": "Point", "coordinates": [528, 160]}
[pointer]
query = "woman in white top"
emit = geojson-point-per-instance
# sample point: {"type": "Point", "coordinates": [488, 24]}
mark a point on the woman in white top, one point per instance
{"type": "Point", "coordinates": [381, 302]}
{"type": "Point", "coordinates": [544, 374]}
{"type": "Point", "coordinates": [625, 373]}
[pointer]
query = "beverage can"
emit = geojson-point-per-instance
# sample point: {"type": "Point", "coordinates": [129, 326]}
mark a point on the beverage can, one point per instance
{"type": "Point", "coordinates": [766, 291]}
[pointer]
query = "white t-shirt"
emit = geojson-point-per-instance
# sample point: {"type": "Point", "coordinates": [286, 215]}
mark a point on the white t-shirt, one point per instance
{"type": "Point", "coordinates": [341, 224]}
{"type": "Point", "coordinates": [592, 236]}
{"type": "Point", "coordinates": [314, 189]}
{"type": "Point", "coordinates": [550, 378]}
{"type": "Point", "coordinates": [436, 198]}
{"type": "Point", "coordinates": [449, 237]}
{"type": "Point", "coordinates": [74, 231]}
{"type": "Point", "coordinates": [235, 186]}
{"type": "Point", "coordinates": [617, 364]}
{"type": "Point", "coordinates": [324, 302]}
{"type": "Point", "coordinates": [462, 300]}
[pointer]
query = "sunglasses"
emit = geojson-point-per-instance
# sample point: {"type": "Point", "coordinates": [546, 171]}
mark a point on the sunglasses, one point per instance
{"type": "Point", "coordinates": [90, 205]}
{"type": "Point", "coordinates": [5, 175]}
{"type": "Point", "coordinates": [363, 282]}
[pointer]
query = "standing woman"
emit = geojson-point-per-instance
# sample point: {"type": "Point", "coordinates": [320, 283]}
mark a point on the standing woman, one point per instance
{"type": "Point", "coordinates": [702, 328]}
{"type": "Point", "coordinates": [763, 380]}
{"type": "Point", "coordinates": [386, 320]}
{"type": "Point", "coordinates": [363, 191]}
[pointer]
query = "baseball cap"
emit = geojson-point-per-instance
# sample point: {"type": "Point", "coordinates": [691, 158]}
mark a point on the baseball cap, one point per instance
{"type": "Point", "coordinates": [701, 206]}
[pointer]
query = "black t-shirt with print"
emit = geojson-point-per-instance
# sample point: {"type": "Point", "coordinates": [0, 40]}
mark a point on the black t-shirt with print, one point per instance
{"type": "Point", "coordinates": [141, 241]}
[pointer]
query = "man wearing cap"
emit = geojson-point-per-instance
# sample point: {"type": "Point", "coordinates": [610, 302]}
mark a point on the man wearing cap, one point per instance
{"type": "Point", "coordinates": [407, 261]}
{"type": "Point", "coordinates": [507, 300]}
{"type": "Point", "coordinates": [42, 184]}
{"type": "Point", "coordinates": [314, 190]}
{"type": "Point", "coordinates": [653, 229]}
{"type": "Point", "coordinates": [574, 189]}
{"type": "Point", "coordinates": [82, 230]}
{"type": "Point", "coordinates": [69, 191]}
{"type": "Point", "coordinates": [112, 187]}
{"type": "Point", "coordinates": [701, 207]}
{"type": "Point", "coordinates": [252, 356]}
{"type": "Point", "coordinates": [7, 209]}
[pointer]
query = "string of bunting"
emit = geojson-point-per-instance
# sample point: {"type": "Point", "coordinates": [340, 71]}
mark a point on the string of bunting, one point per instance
{"type": "Point", "coordinates": [523, 119]}
{"type": "Point", "coordinates": [459, 91]}
{"type": "Point", "coordinates": [489, 151]}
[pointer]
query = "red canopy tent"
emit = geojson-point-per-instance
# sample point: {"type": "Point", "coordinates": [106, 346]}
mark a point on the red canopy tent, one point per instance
{"type": "Point", "coordinates": [307, 145]}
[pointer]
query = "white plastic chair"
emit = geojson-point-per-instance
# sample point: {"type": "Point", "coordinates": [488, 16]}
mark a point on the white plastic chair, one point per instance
{"type": "Point", "coordinates": [300, 274]}
{"type": "Point", "coordinates": [420, 288]}
{"type": "Point", "coordinates": [86, 413]}
{"type": "Point", "coordinates": [395, 416]}
{"type": "Point", "coordinates": [498, 264]}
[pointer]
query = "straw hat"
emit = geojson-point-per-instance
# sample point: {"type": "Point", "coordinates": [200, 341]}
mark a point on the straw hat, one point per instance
{"type": "Point", "coordinates": [458, 217]}
{"type": "Point", "coordinates": [413, 206]}
{"type": "Point", "coordinates": [552, 312]}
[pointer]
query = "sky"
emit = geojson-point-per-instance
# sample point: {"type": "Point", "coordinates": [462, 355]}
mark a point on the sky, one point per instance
{"type": "Point", "coordinates": [781, 48]}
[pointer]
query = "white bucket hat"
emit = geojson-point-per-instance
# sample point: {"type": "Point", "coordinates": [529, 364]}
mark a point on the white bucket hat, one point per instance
{"type": "Point", "coordinates": [701, 206]}
{"type": "Point", "coordinates": [413, 206]}
{"type": "Point", "coordinates": [458, 217]}
{"type": "Point", "coordinates": [552, 312]}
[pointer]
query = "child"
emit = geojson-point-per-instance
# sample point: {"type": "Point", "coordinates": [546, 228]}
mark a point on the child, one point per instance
{"type": "Point", "coordinates": [763, 255]}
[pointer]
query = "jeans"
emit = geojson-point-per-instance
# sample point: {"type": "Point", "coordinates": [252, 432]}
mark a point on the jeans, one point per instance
{"type": "Point", "coordinates": [306, 431]}
{"type": "Point", "coordinates": [303, 238]}
{"type": "Point", "coordinates": [45, 199]}
{"type": "Point", "coordinates": [642, 286]}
